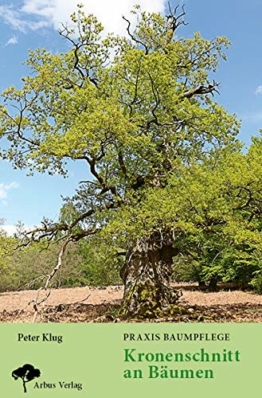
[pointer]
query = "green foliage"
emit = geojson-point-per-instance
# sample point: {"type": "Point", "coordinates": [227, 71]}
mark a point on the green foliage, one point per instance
{"type": "Point", "coordinates": [226, 242]}
{"type": "Point", "coordinates": [83, 264]}
{"type": "Point", "coordinates": [162, 153]}
{"type": "Point", "coordinates": [101, 263]}
{"type": "Point", "coordinates": [29, 267]}
{"type": "Point", "coordinates": [118, 115]}
{"type": "Point", "coordinates": [7, 245]}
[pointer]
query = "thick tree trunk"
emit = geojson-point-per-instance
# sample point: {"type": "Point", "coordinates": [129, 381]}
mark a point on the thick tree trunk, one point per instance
{"type": "Point", "coordinates": [202, 285]}
{"type": "Point", "coordinates": [146, 275]}
{"type": "Point", "coordinates": [213, 283]}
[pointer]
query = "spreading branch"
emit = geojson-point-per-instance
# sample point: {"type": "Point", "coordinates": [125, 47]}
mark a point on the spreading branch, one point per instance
{"type": "Point", "coordinates": [135, 39]}
{"type": "Point", "coordinates": [65, 32]}
{"type": "Point", "coordinates": [200, 90]}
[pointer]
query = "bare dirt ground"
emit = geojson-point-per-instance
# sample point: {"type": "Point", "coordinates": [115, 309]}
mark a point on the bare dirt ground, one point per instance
{"type": "Point", "coordinates": [102, 305]}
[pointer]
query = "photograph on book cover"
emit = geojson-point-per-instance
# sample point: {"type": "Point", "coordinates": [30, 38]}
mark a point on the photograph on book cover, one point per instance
{"type": "Point", "coordinates": [131, 204]}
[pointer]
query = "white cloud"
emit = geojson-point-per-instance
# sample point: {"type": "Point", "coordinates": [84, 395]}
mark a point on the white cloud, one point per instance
{"type": "Point", "coordinates": [4, 188]}
{"type": "Point", "coordinates": [16, 19]}
{"type": "Point", "coordinates": [35, 14]}
{"type": "Point", "coordinates": [12, 229]}
{"type": "Point", "coordinates": [9, 229]}
{"type": "Point", "coordinates": [13, 40]}
{"type": "Point", "coordinates": [12, 17]}
{"type": "Point", "coordinates": [258, 90]}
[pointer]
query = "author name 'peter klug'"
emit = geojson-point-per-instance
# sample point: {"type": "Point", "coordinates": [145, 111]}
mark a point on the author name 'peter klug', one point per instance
{"type": "Point", "coordinates": [45, 337]}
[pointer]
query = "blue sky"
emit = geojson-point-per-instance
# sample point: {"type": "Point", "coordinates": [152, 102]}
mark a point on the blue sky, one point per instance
{"type": "Point", "coordinates": [28, 24]}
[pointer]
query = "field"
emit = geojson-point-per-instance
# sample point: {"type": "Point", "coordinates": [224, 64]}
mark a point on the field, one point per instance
{"type": "Point", "coordinates": [102, 305]}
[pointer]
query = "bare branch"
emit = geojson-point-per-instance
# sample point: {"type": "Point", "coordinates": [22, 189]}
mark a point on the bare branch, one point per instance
{"type": "Point", "coordinates": [199, 90]}
{"type": "Point", "coordinates": [174, 21]}
{"type": "Point", "coordinates": [49, 278]}
{"type": "Point", "coordinates": [133, 37]}
{"type": "Point", "coordinates": [81, 301]}
{"type": "Point", "coordinates": [65, 33]}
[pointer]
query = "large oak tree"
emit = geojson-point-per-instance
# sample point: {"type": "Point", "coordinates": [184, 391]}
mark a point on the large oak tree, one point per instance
{"type": "Point", "coordinates": [138, 111]}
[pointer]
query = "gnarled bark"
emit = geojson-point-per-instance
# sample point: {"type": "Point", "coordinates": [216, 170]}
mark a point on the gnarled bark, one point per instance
{"type": "Point", "coordinates": [146, 276]}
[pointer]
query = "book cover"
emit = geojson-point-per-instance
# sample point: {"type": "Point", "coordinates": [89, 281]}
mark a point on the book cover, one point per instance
{"type": "Point", "coordinates": [130, 195]}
